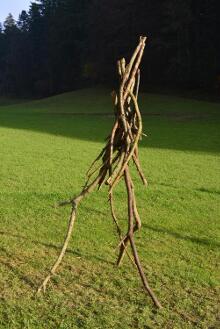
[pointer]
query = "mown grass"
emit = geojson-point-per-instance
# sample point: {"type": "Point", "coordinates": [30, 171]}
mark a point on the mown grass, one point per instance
{"type": "Point", "coordinates": [44, 151]}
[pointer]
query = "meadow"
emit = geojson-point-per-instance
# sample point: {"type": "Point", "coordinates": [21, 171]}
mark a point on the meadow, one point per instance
{"type": "Point", "coordinates": [46, 147]}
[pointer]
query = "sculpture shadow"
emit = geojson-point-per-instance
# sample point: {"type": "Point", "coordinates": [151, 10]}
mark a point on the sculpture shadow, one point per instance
{"type": "Point", "coordinates": [86, 256]}
{"type": "Point", "coordinates": [181, 236]}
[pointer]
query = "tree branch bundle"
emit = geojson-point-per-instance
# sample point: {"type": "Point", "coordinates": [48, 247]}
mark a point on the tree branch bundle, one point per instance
{"type": "Point", "coordinates": [113, 165]}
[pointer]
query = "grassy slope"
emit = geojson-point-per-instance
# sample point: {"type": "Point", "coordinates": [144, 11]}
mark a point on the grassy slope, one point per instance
{"type": "Point", "coordinates": [44, 153]}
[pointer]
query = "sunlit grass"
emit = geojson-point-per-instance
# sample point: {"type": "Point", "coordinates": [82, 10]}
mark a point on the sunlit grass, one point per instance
{"type": "Point", "coordinates": [44, 153]}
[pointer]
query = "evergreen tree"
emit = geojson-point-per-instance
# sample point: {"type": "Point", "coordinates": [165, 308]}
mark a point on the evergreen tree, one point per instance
{"type": "Point", "coordinates": [61, 45]}
{"type": "Point", "coordinates": [9, 23]}
{"type": "Point", "coordinates": [23, 21]}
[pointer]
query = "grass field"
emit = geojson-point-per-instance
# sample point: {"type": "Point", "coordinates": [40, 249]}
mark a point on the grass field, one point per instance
{"type": "Point", "coordinates": [45, 148]}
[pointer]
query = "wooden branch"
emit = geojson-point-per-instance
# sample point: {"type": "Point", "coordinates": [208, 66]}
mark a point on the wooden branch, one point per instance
{"type": "Point", "coordinates": [112, 164]}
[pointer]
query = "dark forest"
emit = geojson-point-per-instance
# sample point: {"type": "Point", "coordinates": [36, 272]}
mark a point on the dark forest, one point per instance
{"type": "Point", "coordinates": [61, 45]}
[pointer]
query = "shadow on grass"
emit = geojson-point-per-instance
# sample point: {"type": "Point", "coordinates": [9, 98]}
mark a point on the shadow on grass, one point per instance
{"type": "Point", "coordinates": [206, 190]}
{"type": "Point", "coordinates": [181, 236]}
{"type": "Point", "coordinates": [56, 247]}
{"type": "Point", "coordinates": [201, 189]}
{"type": "Point", "coordinates": [198, 132]}
{"type": "Point", "coordinates": [11, 265]}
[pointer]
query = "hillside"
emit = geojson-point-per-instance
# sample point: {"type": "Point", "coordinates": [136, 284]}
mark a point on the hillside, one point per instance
{"type": "Point", "coordinates": [45, 148]}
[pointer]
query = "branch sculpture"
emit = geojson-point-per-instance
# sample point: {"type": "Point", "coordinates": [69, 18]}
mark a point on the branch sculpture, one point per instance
{"type": "Point", "coordinates": [112, 165]}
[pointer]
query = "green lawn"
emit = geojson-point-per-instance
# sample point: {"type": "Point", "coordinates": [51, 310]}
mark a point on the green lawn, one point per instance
{"type": "Point", "coordinates": [45, 150]}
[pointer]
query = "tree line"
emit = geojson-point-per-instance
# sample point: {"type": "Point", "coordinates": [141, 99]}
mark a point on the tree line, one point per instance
{"type": "Point", "coordinates": [60, 45]}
